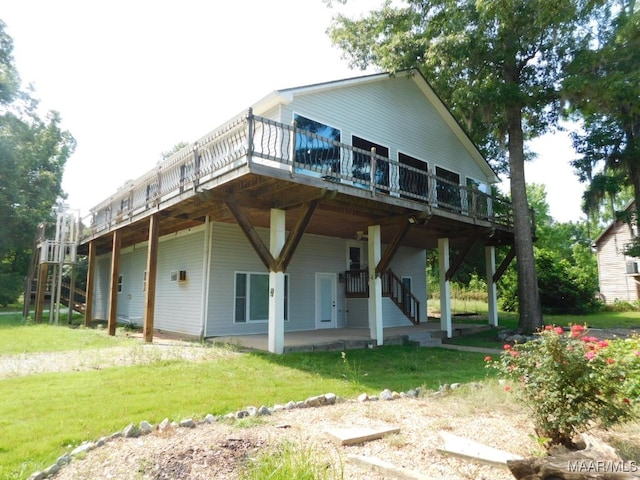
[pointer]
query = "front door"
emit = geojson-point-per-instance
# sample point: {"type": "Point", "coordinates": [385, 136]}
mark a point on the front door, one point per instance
{"type": "Point", "coordinates": [326, 300]}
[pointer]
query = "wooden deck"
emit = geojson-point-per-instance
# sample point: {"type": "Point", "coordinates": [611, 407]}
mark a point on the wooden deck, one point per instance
{"type": "Point", "coordinates": [249, 167]}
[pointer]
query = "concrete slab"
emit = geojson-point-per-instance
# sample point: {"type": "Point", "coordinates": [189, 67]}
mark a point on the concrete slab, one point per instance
{"type": "Point", "coordinates": [354, 435]}
{"type": "Point", "coordinates": [474, 451]}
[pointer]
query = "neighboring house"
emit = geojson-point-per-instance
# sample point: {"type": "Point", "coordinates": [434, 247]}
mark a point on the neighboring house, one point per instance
{"type": "Point", "coordinates": [618, 274]}
{"type": "Point", "coordinates": [267, 226]}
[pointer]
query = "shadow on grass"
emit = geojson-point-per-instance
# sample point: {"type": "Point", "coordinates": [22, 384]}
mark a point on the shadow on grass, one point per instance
{"type": "Point", "coordinates": [398, 368]}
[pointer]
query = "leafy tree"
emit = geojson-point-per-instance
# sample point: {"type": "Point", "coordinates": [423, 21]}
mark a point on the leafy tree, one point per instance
{"type": "Point", "coordinates": [497, 64]}
{"type": "Point", "coordinates": [33, 152]}
{"type": "Point", "coordinates": [603, 87]}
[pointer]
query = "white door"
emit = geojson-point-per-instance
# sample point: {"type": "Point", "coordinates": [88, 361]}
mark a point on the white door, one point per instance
{"type": "Point", "coordinates": [326, 300]}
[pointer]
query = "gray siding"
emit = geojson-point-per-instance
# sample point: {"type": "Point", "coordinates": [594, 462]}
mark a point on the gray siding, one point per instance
{"type": "Point", "coordinates": [615, 283]}
{"type": "Point", "coordinates": [395, 114]}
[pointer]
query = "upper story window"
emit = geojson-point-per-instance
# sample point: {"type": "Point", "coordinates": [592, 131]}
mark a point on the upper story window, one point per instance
{"type": "Point", "coordinates": [413, 176]}
{"type": "Point", "coordinates": [448, 188]}
{"type": "Point", "coordinates": [317, 145]}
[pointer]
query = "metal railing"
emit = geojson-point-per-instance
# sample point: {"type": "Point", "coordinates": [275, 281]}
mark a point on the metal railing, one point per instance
{"type": "Point", "coordinates": [250, 139]}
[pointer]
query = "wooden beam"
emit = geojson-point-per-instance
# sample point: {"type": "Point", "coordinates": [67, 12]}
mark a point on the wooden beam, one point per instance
{"type": "Point", "coordinates": [152, 269]}
{"type": "Point", "coordinates": [505, 263]}
{"type": "Point", "coordinates": [293, 239]}
{"type": "Point", "coordinates": [91, 273]}
{"type": "Point", "coordinates": [113, 290]}
{"type": "Point", "coordinates": [393, 246]}
{"type": "Point", "coordinates": [457, 262]}
{"type": "Point", "coordinates": [258, 245]}
{"type": "Point", "coordinates": [40, 291]}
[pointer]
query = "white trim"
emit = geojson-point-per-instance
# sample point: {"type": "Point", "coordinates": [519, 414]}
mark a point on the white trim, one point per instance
{"type": "Point", "coordinates": [318, 300]}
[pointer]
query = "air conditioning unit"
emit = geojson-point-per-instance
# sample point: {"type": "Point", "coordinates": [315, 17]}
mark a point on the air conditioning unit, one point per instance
{"type": "Point", "coordinates": [632, 268]}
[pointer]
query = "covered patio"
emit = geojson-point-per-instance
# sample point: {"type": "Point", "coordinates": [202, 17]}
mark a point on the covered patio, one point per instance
{"type": "Point", "coordinates": [339, 339]}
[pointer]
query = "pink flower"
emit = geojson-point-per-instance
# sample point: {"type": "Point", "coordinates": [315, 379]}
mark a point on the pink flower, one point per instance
{"type": "Point", "coordinates": [487, 358]}
{"type": "Point", "coordinates": [590, 355]}
{"type": "Point", "coordinates": [603, 344]}
{"type": "Point", "coordinates": [507, 346]}
{"type": "Point", "coordinates": [627, 401]}
{"type": "Point", "coordinates": [548, 327]}
{"type": "Point", "coordinates": [610, 361]}
{"type": "Point", "coordinates": [507, 388]}
{"type": "Point", "coordinates": [576, 330]}
{"type": "Point", "coordinates": [638, 353]}
{"type": "Point", "coordinates": [514, 353]}
{"type": "Point", "coordinates": [558, 330]}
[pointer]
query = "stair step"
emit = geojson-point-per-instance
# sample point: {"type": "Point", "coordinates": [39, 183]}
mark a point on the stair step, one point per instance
{"type": "Point", "coordinates": [430, 342]}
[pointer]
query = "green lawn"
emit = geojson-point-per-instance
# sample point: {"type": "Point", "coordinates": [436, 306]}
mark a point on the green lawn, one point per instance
{"type": "Point", "coordinates": [42, 416]}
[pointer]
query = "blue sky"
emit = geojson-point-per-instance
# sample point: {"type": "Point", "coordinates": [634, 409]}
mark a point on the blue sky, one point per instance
{"type": "Point", "coordinates": [133, 78]}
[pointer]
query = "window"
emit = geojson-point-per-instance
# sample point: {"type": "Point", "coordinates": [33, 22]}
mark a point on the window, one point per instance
{"type": "Point", "coordinates": [362, 163]}
{"type": "Point", "coordinates": [476, 204]}
{"type": "Point", "coordinates": [413, 176]}
{"type": "Point", "coordinates": [119, 283]}
{"type": "Point", "coordinates": [317, 145]}
{"type": "Point", "coordinates": [252, 297]}
{"type": "Point", "coordinates": [448, 188]}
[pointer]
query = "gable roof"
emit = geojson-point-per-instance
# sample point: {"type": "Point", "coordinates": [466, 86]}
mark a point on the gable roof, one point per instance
{"type": "Point", "coordinates": [613, 224]}
{"type": "Point", "coordinates": [286, 96]}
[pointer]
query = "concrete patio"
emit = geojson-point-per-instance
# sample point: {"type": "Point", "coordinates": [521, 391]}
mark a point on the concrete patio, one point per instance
{"type": "Point", "coordinates": [337, 339]}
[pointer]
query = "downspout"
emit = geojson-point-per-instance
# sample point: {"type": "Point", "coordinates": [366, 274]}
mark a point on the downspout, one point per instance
{"type": "Point", "coordinates": [206, 273]}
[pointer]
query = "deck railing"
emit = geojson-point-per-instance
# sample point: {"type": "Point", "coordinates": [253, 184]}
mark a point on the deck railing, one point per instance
{"type": "Point", "coordinates": [249, 139]}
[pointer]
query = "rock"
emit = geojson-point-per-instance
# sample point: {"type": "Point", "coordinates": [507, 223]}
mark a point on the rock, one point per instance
{"type": "Point", "coordinates": [263, 410]}
{"type": "Point", "coordinates": [131, 431]}
{"type": "Point", "coordinates": [330, 398]}
{"type": "Point", "coordinates": [242, 414]}
{"type": "Point", "coordinates": [64, 459]}
{"type": "Point", "coordinates": [187, 423]}
{"type": "Point", "coordinates": [101, 442]}
{"type": "Point", "coordinates": [363, 397]}
{"type": "Point", "coordinates": [395, 395]}
{"type": "Point", "coordinates": [115, 435]}
{"type": "Point", "coordinates": [252, 411]}
{"type": "Point", "coordinates": [209, 418]}
{"type": "Point", "coordinates": [374, 398]}
{"type": "Point", "coordinates": [455, 386]}
{"type": "Point", "coordinates": [83, 448]}
{"type": "Point", "coordinates": [301, 405]}
{"type": "Point", "coordinates": [51, 470]}
{"type": "Point", "coordinates": [386, 395]}
{"type": "Point", "coordinates": [37, 476]}
{"type": "Point", "coordinates": [164, 425]}
{"type": "Point", "coordinates": [412, 393]}
{"type": "Point", "coordinates": [277, 408]}
{"type": "Point", "coordinates": [145, 427]}
{"type": "Point", "coordinates": [317, 401]}
{"type": "Point", "coordinates": [290, 405]}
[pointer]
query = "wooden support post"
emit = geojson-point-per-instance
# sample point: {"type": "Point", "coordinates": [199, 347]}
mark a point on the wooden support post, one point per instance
{"type": "Point", "coordinates": [152, 270]}
{"type": "Point", "coordinates": [445, 286]}
{"type": "Point", "coordinates": [113, 289]}
{"type": "Point", "coordinates": [42, 286]}
{"type": "Point", "coordinates": [91, 273]}
{"type": "Point", "coordinates": [72, 293]}
{"type": "Point", "coordinates": [492, 293]}
{"type": "Point", "coordinates": [375, 286]}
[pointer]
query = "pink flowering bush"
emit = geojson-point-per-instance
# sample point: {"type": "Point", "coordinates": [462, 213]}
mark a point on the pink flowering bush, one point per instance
{"type": "Point", "coordinates": [572, 380]}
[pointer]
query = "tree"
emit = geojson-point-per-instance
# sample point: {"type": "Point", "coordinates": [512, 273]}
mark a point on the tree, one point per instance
{"type": "Point", "coordinates": [497, 64]}
{"type": "Point", "coordinates": [33, 152]}
{"type": "Point", "coordinates": [603, 87]}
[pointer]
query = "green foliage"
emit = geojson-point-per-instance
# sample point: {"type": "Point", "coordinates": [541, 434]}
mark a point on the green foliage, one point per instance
{"type": "Point", "coordinates": [288, 461]}
{"type": "Point", "coordinates": [570, 380]}
{"type": "Point", "coordinates": [10, 288]}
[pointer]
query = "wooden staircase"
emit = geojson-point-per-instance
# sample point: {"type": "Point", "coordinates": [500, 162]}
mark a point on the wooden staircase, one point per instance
{"type": "Point", "coordinates": [357, 286]}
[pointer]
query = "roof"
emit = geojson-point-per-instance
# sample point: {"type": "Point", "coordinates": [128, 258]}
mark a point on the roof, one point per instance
{"type": "Point", "coordinates": [613, 224]}
{"type": "Point", "coordinates": [286, 96]}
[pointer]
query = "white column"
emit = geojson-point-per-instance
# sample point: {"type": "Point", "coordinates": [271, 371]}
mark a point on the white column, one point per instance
{"type": "Point", "coordinates": [276, 284]}
{"type": "Point", "coordinates": [445, 287]}
{"type": "Point", "coordinates": [492, 291]}
{"type": "Point", "coordinates": [375, 286]}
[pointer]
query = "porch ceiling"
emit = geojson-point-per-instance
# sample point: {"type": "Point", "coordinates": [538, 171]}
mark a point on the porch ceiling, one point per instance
{"type": "Point", "coordinates": [341, 212]}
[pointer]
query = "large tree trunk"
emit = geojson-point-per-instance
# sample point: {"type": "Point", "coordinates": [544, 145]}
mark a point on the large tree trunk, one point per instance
{"type": "Point", "coordinates": [528, 296]}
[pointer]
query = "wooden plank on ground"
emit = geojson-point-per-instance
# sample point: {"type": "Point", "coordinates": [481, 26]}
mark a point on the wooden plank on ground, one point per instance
{"type": "Point", "coordinates": [354, 435]}
{"type": "Point", "coordinates": [385, 468]}
{"type": "Point", "coordinates": [470, 450]}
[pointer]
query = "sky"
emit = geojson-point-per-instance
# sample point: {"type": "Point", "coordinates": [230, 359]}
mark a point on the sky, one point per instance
{"type": "Point", "coordinates": [131, 79]}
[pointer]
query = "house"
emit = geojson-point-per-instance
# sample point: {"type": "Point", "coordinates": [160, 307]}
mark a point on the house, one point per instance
{"type": "Point", "coordinates": [618, 274]}
{"type": "Point", "coordinates": [313, 209]}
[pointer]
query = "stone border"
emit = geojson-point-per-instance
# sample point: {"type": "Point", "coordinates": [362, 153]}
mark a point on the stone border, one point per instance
{"type": "Point", "coordinates": [145, 428]}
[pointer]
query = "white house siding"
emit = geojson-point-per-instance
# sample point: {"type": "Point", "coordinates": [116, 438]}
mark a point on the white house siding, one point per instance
{"type": "Point", "coordinates": [615, 283]}
{"type": "Point", "coordinates": [101, 289]}
{"type": "Point", "coordinates": [408, 262]}
{"type": "Point", "coordinates": [393, 113]}
{"type": "Point", "coordinates": [179, 304]}
{"type": "Point", "coordinates": [231, 253]}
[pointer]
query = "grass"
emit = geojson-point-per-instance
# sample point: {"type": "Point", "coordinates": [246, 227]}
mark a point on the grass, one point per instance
{"type": "Point", "coordinates": [43, 416]}
{"type": "Point", "coordinates": [24, 336]}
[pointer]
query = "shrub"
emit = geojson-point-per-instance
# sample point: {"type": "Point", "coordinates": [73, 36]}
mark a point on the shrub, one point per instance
{"type": "Point", "coordinates": [572, 380]}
